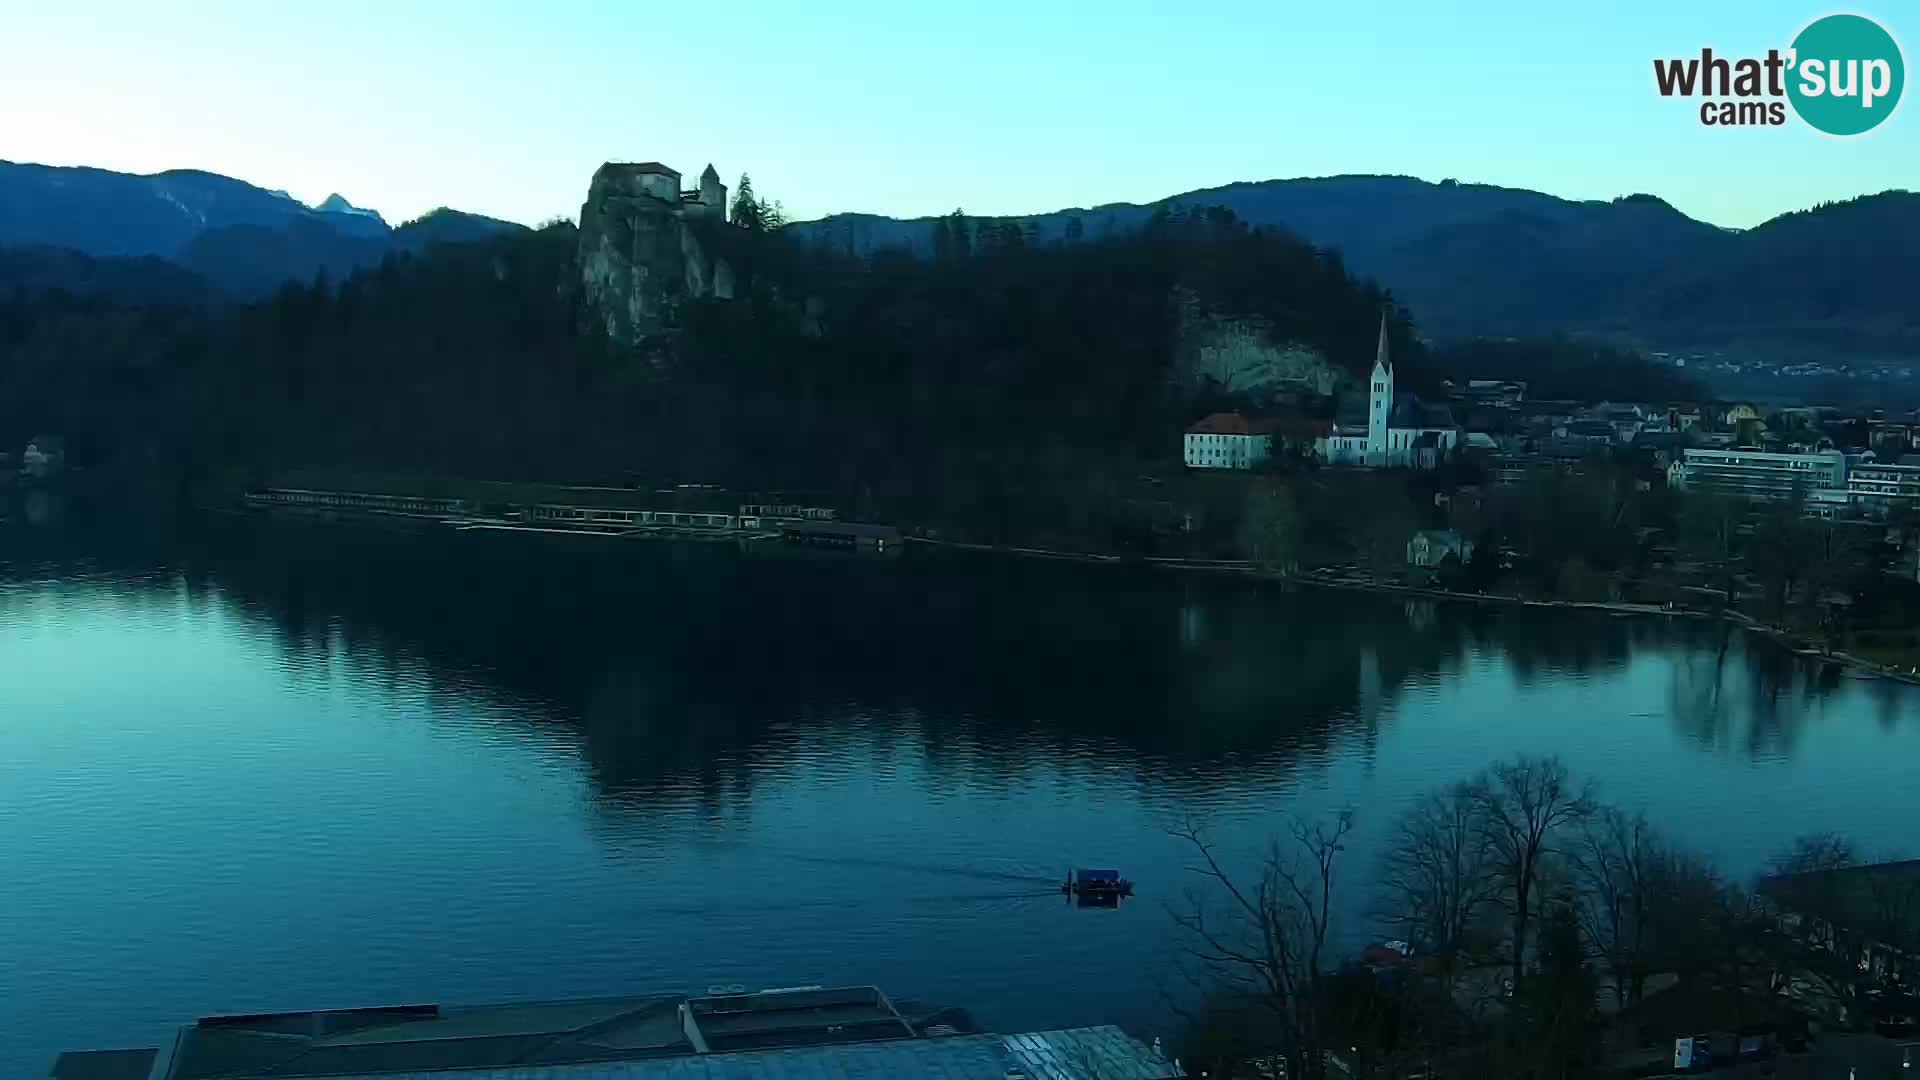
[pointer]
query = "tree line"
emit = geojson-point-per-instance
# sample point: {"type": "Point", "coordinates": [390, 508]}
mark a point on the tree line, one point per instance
{"type": "Point", "coordinates": [1524, 904]}
{"type": "Point", "coordinates": [1007, 389]}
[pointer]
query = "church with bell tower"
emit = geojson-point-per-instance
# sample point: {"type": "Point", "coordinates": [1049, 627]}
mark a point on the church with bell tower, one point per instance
{"type": "Point", "coordinates": [1402, 432]}
{"type": "Point", "coordinates": [1380, 401]}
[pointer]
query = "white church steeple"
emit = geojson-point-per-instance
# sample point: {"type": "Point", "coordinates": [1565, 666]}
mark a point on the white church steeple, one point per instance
{"type": "Point", "coordinates": [1380, 400]}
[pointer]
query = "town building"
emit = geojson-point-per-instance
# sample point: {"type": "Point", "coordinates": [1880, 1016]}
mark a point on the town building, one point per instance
{"type": "Point", "coordinates": [1746, 424]}
{"type": "Point", "coordinates": [1407, 433]}
{"type": "Point", "coordinates": [1228, 441]}
{"type": "Point", "coordinates": [1759, 474]}
{"type": "Point", "coordinates": [1880, 489]}
{"type": "Point", "coordinates": [1891, 437]}
{"type": "Point", "coordinates": [818, 1033]}
{"type": "Point", "coordinates": [1496, 392]}
{"type": "Point", "coordinates": [1591, 433]}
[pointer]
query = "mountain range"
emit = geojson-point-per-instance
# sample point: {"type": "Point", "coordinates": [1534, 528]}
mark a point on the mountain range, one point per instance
{"type": "Point", "coordinates": [1476, 260]}
{"type": "Point", "coordinates": [1832, 282]}
{"type": "Point", "coordinates": [153, 236]}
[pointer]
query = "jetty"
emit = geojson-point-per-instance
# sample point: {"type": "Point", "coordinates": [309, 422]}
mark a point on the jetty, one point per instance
{"type": "Point", "coordinates": [686, 512]}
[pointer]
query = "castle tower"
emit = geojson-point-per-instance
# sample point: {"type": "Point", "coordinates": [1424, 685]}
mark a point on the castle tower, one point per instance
{"type": "Point", "coordinates": [713, 193]}
{"type": "Point", "coordinates": [1380, 400]}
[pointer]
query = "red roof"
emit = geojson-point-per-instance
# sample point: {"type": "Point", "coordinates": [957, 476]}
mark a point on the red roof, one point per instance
{"type": "Point", "coordinates": [1223, 423]}
{"type": "Point", "coordinates": [1226, 423]}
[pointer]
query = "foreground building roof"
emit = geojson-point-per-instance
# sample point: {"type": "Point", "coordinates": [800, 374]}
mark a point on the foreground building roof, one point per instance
{"type": "Point", "coordinates": [813, 1033]}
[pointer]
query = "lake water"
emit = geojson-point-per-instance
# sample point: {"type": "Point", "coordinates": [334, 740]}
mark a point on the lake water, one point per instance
{"type": "Point", "coordinates": [248, 766]}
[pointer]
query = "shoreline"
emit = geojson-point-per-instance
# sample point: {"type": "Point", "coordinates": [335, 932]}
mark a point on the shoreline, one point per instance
{"type": "Point", "coordinates": [1242, 567]}
{"type": "Point", "coordinates": [1239, 567]}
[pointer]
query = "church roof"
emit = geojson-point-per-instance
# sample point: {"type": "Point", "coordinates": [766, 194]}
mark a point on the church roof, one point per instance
{"type": "Point", "coordinates": [1410, 412]}
{"type": "Point", "coordinates": [1381, 357]}
{"type": "Point", "coordinates": [709, 173]}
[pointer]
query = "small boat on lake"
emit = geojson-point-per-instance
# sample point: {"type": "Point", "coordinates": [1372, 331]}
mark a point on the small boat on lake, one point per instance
{"type": "Point", "coordinates": [1096, 885]}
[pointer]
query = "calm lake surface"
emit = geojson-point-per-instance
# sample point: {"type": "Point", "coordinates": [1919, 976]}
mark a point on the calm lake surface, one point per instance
{"type": "Point", "coordinates": [250, 766]}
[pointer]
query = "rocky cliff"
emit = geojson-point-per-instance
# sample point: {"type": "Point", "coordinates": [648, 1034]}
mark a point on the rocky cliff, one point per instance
{"type": "Point", "coordinates": [646, 248]}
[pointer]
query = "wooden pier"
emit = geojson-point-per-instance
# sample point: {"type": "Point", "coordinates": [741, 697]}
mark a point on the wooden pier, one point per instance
{"type": "Point", "coordinates": [843, 534]}
{"type": "Point", "coordinates": [751, 521]}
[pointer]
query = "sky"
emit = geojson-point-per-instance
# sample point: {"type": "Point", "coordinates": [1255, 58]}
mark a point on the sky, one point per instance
{"type": "Point", "coordinates": [909, 108]}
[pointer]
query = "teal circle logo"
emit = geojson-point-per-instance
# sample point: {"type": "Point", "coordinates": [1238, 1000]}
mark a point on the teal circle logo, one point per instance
{"type": "Point", "coordinates": [1846, 76]}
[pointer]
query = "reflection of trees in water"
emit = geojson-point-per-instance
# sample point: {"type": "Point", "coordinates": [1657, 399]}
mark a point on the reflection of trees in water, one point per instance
{"type": "Point", "coordinates": [1541, 643]}
{"type": "Point", "coordinates": [1889, 699]}
{"type": "Point", "coordinates": [688, 672]}
{"type": "Point", "coordinates": [1731, 690]}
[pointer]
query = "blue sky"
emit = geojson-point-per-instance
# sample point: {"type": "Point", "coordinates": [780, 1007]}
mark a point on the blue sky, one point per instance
{"type": "Point", "coordinates": [505, 108]}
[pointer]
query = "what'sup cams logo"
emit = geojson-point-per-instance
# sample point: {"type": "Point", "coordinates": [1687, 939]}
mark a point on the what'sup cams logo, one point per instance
{"type": "Point", "coordinates": [1842, 75]}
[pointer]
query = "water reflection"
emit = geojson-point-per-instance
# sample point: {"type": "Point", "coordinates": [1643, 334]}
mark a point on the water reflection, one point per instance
{"type": "Point", "coordinates": [461, 767]}
{"type": "Point", "coordinates": [691, 669]}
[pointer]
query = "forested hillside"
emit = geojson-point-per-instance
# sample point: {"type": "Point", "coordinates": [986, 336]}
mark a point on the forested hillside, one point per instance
{"type": "Point", "coordinates": [1005, 373]}
{"type": "Point", "coordinates": [1476, 260]}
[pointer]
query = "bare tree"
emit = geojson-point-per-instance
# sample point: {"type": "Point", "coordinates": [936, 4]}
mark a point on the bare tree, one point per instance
{"type": "Point", "coordinates": [1525, 803]}
{"type": "Point", "coordinates": [1616, 862]}
{"type": "Point", "coordinates": [1438, 875]}
{"type": "Point", "coordinates": [1690, 916]}
{"type": "Point", "coordinates": [1269, 941]}
{"type": "Point", "coordinates": [1813, 852]}
{"type": "Point", "coordinates": [1710, 532]}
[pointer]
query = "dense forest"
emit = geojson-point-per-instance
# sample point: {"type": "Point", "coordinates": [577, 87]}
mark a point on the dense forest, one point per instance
{"type": "Point", "coordinates": [1003, 373]}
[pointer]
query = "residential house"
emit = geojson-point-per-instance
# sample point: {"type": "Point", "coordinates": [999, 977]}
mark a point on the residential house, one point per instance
{"type": "Point", "coordinates": [1626, 420]}
{"type": "Point", "coordinates": [1552, 413]}
{"type": "Point", "coordinates": [1595, 434]}
{"type": "Point", "coordinates": [1891, 438]}
{"type": "Point", "coordinates": [1497, 392]}
{"type": "Point", "coordinates": [1509, 468]}
{"type": "Point", "coordinates": [1431, 547]}
{"type": "Point", "coordinates": [1868, 914]}
{"type": "Point", "coordinates": [44, 456]}
{"type": "Point", "coordinates": [1682, 416]}
{"type": "Point", "coordinates": [1746, 424]}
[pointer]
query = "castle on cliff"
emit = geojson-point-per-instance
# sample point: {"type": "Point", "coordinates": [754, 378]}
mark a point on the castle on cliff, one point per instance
{"type": "Point", "coordinates": [650, 178]}
{"type": "Point", "coordinates": [646, 246]}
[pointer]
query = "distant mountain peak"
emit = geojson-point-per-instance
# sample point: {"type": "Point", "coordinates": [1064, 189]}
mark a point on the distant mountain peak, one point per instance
{"type": "Point", "coordinates": [337, 203]}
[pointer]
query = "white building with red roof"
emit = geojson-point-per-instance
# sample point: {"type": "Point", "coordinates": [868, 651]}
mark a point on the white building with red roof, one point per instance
{"type": "Point", "coordinates": [1227, 440]}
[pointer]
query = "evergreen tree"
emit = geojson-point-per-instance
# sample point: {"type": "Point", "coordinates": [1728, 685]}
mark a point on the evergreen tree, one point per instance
{"type": "Point", "coordinates": [747, 211]}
